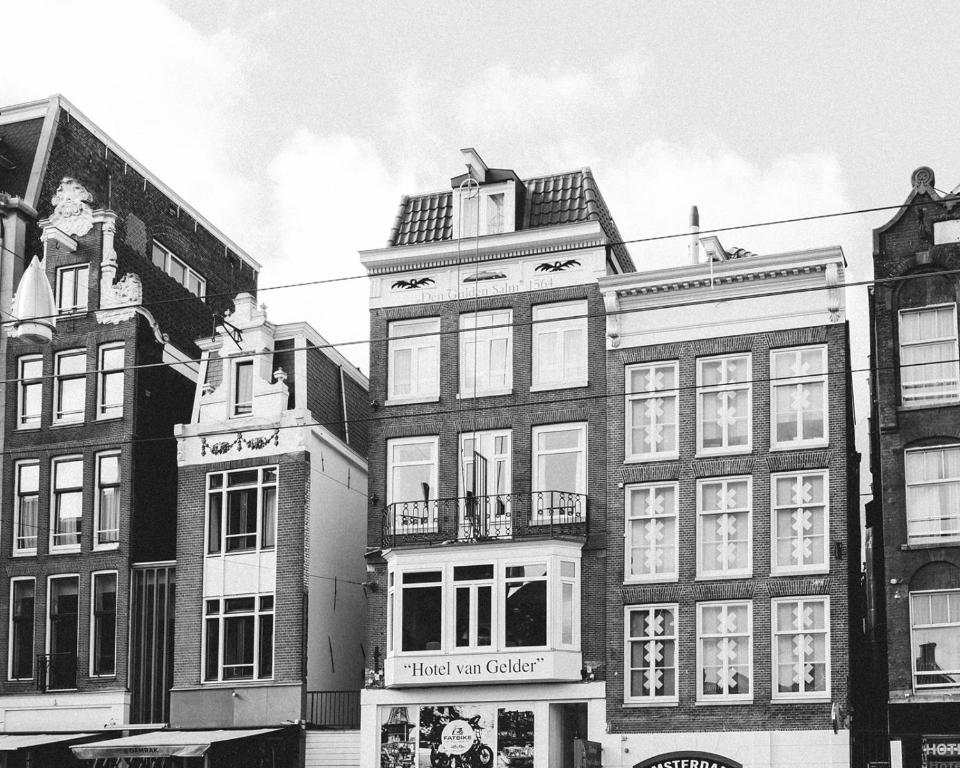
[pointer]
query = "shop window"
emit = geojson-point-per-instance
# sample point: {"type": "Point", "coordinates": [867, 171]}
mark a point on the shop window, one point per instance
{"type": "Point", "coordinates": [29, 391]}
{"type": "Point", "coordinates": [560, 345]}
{"type": "Point", "coordinates": [103, 625]}
{"type": "Point", "coordinates": [486, 364]}
{"type": "Point", "coordinates": [107, 512]}
{"type": "Point", "coordinates": [798, 397]}
{"type": "Point", "coordinates": [241, 510]}
{"type": "Point", "coordinates": [238, 638]}
{"type": "Point", "coordinates": [110, 381]}
{"type": "Point", "coordinates": [22, 606]}
{"type": "Point", "coordinates": [413, 371]}
{"type": "Point", "coordinates": [724, 527]}
{"type": "Point", "coordinates": [724, 651]}
{"type": "Point", "coordinates": [72, 288]}
{"type": "Point", "coordinates": [724, 393]}
{"type": "Point", "coordinates": [422, 612]}
{"type": "Point", "coordinates": [70, 386]}
{"type": "Point", "coordinates": [929, 369]}
{"type": "Point", "coordinates": [652, 411]}
{"type": "Point", "coordinates": [800, 522]}
{"type": "Point", "coordinates": [801, 647]}
{"type": "Point", "coordinates": [26, 507]}
{"type": "Point", "coordinates": [651, 515]}
{"type": "Point", "coordinates": [935, 643]}
{"type": "Point", "coordinates": [67, 503]}
{"type": "Point", "coordinates": [651, 654]}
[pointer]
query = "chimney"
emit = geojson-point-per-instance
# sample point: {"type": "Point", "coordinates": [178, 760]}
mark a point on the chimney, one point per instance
{"type": "Point", "coordinates": [693, 249]}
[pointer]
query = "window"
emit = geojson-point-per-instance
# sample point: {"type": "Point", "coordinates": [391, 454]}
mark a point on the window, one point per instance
{"type": "Point", "coordinates": [652, 411]}
{"type": "Point", "coordinates": [473, 605]}
{"type": "Point", "coordinates": [935, 638]}
{"type": "Point", "coordinates": [241, 510]}
{"type": "Point", "coordinates": [483, 211]}
{"type": "Point", "coordinates": [800, 522]}
{"type": "Point", "coordinates": [801, 647]}
{"type": "Point", "coordinates": [70, 386]}
{"type": "Point", "coordinates": [67, 511]}
{"type": "Point", "coordinates": [412, 483]}
{"type": "Point", "coordinates": [107, 513]}
{"type": "Point", "coordinates": [559, 481]}
{"type": "Point", "coordinates": [496, 218]}
{"type": "Point", "coordinates": [724, 654]}
{"type": "Point", "coordinates": [243, 388]}
{"type": "Point", "coordinates": [569, 602]}
{"type": "Point", "coordinates": [651, 512]}
{"type": "Point", "coordinates": [799, 396]}
{"type": "Point", "coordinates": [413, 371]}
{"type": "Point", "coordinates": [525, 606]}
{"type": "Point", "coordinates": [560, 345]}
{"type": "Point", "coordinates": [421, 595]}
{"type": "Point", "coordinates": [724, 392]}
{"type": "Point", "coordinates": [723, 511]}
{"type": "Point", "coordinates": [486, 365]}
{"type": "Point", "coordinates": [30, 391]}
{"type": "Point", "coordinates": [63, 618]}
{"type": "Point", "coordinates": [190, 279]}
{"type": "Point", "coordinates": [933, 494]}
{"type": "Point", "coordinates": [103, 625]}
{"type": "Point", "coordinates": [110, 381]}
{"type": "Point", "coordinates": [485, 485]}
{"type": "Point", "coordinates": [22, 604]}
{"type": "Point", "coordinates": [26, 507]}
{"type": "Point", "coordinates": [72, 288]}
{"type": "Point", "coordinates": [238, 637]}
{"type": "Point", "coordinates": [651, 654]}
{"type": "Point", "coordinates": [929, 370]}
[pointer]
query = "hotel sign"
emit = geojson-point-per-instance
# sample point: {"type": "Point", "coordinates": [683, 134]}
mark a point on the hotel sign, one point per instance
{"type": "Point", "coordinates": [433, 669]}
{"type": "Point", "coordinates": [688, 760]}
{"type": "Point", "coordinates": [941, 751]}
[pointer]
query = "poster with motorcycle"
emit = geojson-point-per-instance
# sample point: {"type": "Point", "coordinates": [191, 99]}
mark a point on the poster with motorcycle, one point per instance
{"type": "Point", "coordinates": [457, 737]}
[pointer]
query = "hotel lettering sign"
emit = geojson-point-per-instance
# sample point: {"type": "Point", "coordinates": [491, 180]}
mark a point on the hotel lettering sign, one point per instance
{"type": "Point", "coordinates": [941, 751]}
{"type": "Point", "coordinates": [433, 669]}
{"type": "Point", "coordinates": [688, 760]}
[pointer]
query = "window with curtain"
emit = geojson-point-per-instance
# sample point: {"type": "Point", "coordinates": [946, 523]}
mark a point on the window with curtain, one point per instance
{"type": "Point", "coordinates": [651, 653]}
{"type": "Point", "coordinates": [30, 391]}
{"type": "Point", "coordinates": [933, 494]}
{"type": "Point", "coordinates": [412, 482]}
{"type": "Point", "coordinates": [238, 638]}
{"type": "Point", "coordinates": [935, 624]}
{"type": "Point", "coordinates": [110, 381]}
{"type": "Point", "coordinates": [723, 510]}
{"type": "Point", "coordinates": [70, 385]}
{"type": "Point", "coordinates": [559, 474]}
{"type": "Point", "coordinates": [801, 647]}
{"type": "Point", "coordinates": [26, 507]}
{"type": "Point", "coordinates": [241, 510]}
{"type": "Point", "coordinates": [724, 661]}
{"type": "Point", "coordinates": [724, 392]}
{"type": "Point", "coordinates": [560, 345]}
{"type": "Point", "coordinates": [651, 513]}
{"type": "Point", "coordinates": [798, 397]}
{"type": "Point", "coordinates": [486, 363]}
{"type": "Point", "coordinates": [800, 522]}
{"type": "Point", "coordinates": [243, 388]}
{"type": "Point", "coordinates": [108, 499]}
{"type": "Point", "coordinates": [929, 369]}
{"type": "Point", "coordinates": [652, 411]}
{"type": "Point", "coordinates": [67, 511]}
{"type": "Point", "coordinates": [413, 371]}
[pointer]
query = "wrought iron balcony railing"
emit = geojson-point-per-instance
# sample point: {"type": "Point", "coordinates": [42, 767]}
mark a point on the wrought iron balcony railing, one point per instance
{"type": "Point", "coordinates": [56, 671]}
{"type": "Point", "coordinates": [477, 518]}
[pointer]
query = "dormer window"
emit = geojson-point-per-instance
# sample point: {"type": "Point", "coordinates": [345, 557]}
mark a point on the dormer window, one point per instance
{"type": "Point", "coordinates": [243, 388]}
{"type": "Point", "coordinates": [486, 210]}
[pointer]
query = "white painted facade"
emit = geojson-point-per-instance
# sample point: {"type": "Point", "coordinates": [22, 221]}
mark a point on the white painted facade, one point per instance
{"type": "Point", "coordinates": [64, 711]}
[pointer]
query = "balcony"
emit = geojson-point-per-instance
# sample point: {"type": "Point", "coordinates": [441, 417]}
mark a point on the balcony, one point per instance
{"type": "Point", "coordinates": [56, 672]}
{"type": "Point", "coordinates": [485, 518]}
{"type": "Point", "coordinates": [333, 709]}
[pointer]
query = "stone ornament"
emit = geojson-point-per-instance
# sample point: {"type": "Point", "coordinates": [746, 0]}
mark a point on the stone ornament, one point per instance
{"type": "Point", "coordinates": [72, 213]}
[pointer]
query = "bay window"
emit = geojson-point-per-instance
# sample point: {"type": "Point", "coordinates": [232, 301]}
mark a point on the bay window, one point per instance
{"type": "Point", "coordinates": [26, 507]}
{"type": "Point", "coordinates": [724, 393]}
{"type": "Point", "coordinates": [413, 365]}
{"type": "Point", "coordinates": [652, 411]}
{"type": "Point", "coordinates": [29, 391]}
{"type": "Point", "coordinates": [421, 613]}
{"type": "Point", "coordinates": [241, 510]}
{"type": "Point", "coordinates": [933, 494]}
{"type": "Point", "coordinates": [486, 364]}
{"type": "Point", "coordinates": [67, 503]}
{"type": "Point", "coordinates": [103, 625]}
{"type": "Point", "coordinates": [801, 647]}
{"type": "Point", "coordinates": [935, 638]}
{"type": "Point", "coordinates": [560, 345]}
{"type": "Point", "coordinates": [70, 385]}
{"type": "Point", "coordinates": [22, 606]}
{"type": "Point", "coordinates": [800, 520]}
{"type": "Point", "coordinates": [650, 654]}
{"type": "Point", "coordinates": [107, 511]}
{"type": "Point", "coordinates": [724, 527]}
{"type": "Point", "coordinates": [724, 651]}
{"type": "Point", "coordinates": [929, 369]}
{"type": "Point", "coordinates": [110, 381]}
{"type": "Point", "coordinates": [525, 606]}
{"type": "Point", "coordinates": [798, 397]}
{"type": "Point", "coordinates": [651, 535]}
{"type": "Point", "coordinates": [473, 605]}
{"type": "Point", "coordinates": [238, 638]}
{"type": "Point", "coordinates": [412, 482]}
{"type": "Point", "coordinates": [559, 481]}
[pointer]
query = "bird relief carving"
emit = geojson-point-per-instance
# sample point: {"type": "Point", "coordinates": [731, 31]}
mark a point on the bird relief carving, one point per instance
{"type": "Point", "coordinates": [72, 213]}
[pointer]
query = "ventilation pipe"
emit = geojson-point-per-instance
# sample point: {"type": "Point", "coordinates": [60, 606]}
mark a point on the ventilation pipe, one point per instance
{"type": "Point", "coordinates": [694, 246]}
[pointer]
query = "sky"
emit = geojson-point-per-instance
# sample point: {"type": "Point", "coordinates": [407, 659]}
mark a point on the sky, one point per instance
{"type": "Point", "coordinates": [295, 126]}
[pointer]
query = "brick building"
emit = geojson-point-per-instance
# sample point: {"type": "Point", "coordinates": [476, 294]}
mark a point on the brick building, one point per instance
{"type": "Point", "coordinates": [915, 431]}
{"type": "Point", "coordinates": [88, 530]}
{"type": "Point", "coordinates": [732, 481]}
{"type": "Point", "coordinates": [487, 528]}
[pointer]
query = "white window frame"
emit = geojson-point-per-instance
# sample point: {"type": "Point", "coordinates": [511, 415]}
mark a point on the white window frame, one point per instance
{"type": "Point", "coordinates": [536, 486]}
{"type": "Point", "coordinates": [703, 390]}
{"type": "Point", "coordinates": [484, 329]}
{"type": "Point", "coordinates": [485, 224]}
{"type": "Point", "coordinates": [946, 687]}
{"type": "Point", "coordinates": [638, 398]}
{"type": "Point", "coordinates": [494, 513]}
{"type": "Point", "coordinates": [725, 698]}
{"type": "Point", "coordinates": [797, 382]}
{"type": "Point", "coordinates": [574, 317]}
{"type": "Point", "coordinates": [97, 529]}
{"type": "Point", "coordinates": [221, 618]}
{"type": "Point", "coordinates": [109, 410]}
{"type": "Point", "coordinates": [940, 538]}
{"type": "Point", "coordinates": [239, 410]}
{"type": "Point", "coordinates": [28, 421]}
{"type": "Point", "coordinates": [731, 573]}
{"type": "Point", "coordinates": [18, 551]}
{"type": "Point", "coordinates": [913, 402]}
{"type": "Point", "coordinates": [224, 491]}
{"type": "Point", "coordinates": [776, 567]}
{"type": "Point", "coordinates": [449, 600]}
{"type": "Point", "coordinates": [116, 620]}
{"type": "Point", "coordinates": [552, 578]}
{"type": "Point", "coordinates": [651, 699]}
{"type": "Point", "coordinates": [775, 632]}
{"type": "Point", "coordinates": [671, 573]}
{"type": "Point", "coordinates": [54, 548]}
{"type": "Point", "coordinates": [69, 417]}
{"type": "Point", "coordinates": [417, 345]}
{"type": "Point", "coordinates": [446, 591]}
{"type": "Point", "coordinates": [169, 258]}
{"type": "Point", "coordinates": [429, 509]}
{"type": "Point", "coordinates": [33, 654]}
{"type": "Point", "coordinates": [49, 624]}
{"type": "Point", "coordinates": [80, 302]}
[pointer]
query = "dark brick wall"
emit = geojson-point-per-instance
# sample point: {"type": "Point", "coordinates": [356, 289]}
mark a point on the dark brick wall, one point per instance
{"type": "Point", "coordinates": [519, 411]}
{"type": "Point", "coordinates": [358, 415]}
{"type": "Point", "coordinates": [761, 714]}
{"type": "Point", "coordinates": [324, 393]}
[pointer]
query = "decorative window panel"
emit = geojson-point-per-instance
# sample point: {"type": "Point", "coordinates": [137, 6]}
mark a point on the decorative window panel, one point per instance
{"type": "Point", "coordinates": [798, 384]}
{"type": "Point", "coordinates": [724, 653]}
{"type": "Point", "coordinates": [724, 513]}
{"type": "Point", "coordinates": [652, 411]}
{"type": "Point", "coordinates": [801, 647]}
{"type": "Point", "coordinates": [651, 532]}
{"type": "Point", "coordinates": [651, 654]}
{"type": "Point", "coordinates": [724, 392]}
{"type": "Point", "coordinates": [800, 522]}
